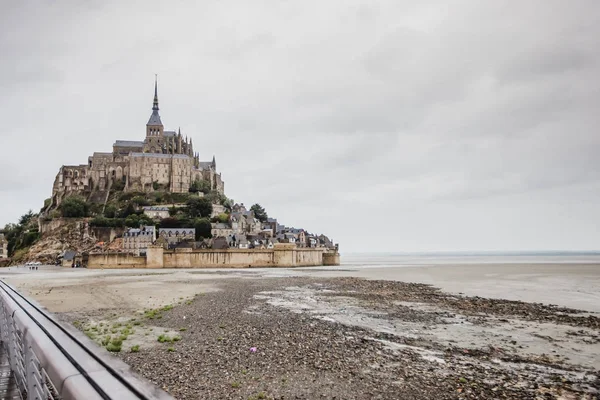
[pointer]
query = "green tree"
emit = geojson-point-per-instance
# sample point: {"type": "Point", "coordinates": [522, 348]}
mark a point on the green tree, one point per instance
{"type": "Point", "coordinates": [74, 207]}
{"type": "Point", "coordinates": [30, 238]}
{"type": "Point", "coordinates": [110, 211]}
{"type": "Point", "coordinates": [47, 202]}
{"type": "Point", "coordinates": [140, 201]}
{"type": "Point", "coordinates": [169, 223]}
{"type": "Point", "coordinates": [227, 203]}
{"type": "Point", "coordinates": [132, 221]}
{"type": "Point", "coordinates": [199, 186]}
{"type": "Point", "coordinates": [25, 218]}
{"type": "Point", "coordinates": [145, 220]}
{"type": "Point", "coordinates": [203, 228]}
{"type": "Point", "coordinates": [223, 218]}
{"type": "Point", "coordinates": [259, 212]}
{"type": "Point", "coordinates": [199, 207]}
{"type": "Point", "coordinates": [127, 211]}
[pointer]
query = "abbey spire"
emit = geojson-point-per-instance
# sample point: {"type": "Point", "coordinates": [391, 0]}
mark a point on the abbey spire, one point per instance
{"type": "Point", "coordinates": [155, 105]}
{"type": "Point", "coordinates": [155, 117]}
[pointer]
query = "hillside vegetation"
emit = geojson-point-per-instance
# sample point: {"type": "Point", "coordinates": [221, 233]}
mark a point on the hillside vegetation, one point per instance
{"type": "Point", "coordinates": [121, 210]}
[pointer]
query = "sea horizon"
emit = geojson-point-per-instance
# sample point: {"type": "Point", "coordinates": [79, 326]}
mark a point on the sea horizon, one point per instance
{"type": "Point", "coordinates": [390, 259]}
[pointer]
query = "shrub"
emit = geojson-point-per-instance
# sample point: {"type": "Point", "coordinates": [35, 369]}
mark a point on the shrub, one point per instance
{"type": "Point", "coordinates": [54, 214]}
{"type": "Point", "coordinates": [110, 211]}
{"type": "Point", "coordinates": [127, 196]}
{"type": "Point", "coordinates": [200, 186]}
{"type": "Point", "coordinates": [158, 198]}
{"type": "Point", "coordinates": [180, 197]}
{"type": "Point", "coordinates": [132, 221]}
{"type": "Point", "coordinates": [223, 218]}
{"type": "Point", "coordinates": [118, 186]}
{"type": "Point", "coordinates": [74, 207]}
{"type": "Point", "coordinates": [203, 228]}
{"type": "Point", "coordinates": [199, 207]}
{"type": "Point", "coordinates": [151, 314]}
{"type": "Point", "coordinates": [140, 201]}
{"type": "Point", "coordinates": [113, 347]}
{"type": "Point", "coordinates": [30, 238]}
{"type": "Point", "coordinates": [135, 349]}
{"type": "Point", "coordinates": [127, 211]}
{"type": "Point", "coordinates": [174, 223]}
{"type": "Point", "coordinates": [163, 338]}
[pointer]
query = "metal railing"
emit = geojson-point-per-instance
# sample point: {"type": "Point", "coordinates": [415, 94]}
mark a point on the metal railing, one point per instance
{"type": "Point", "coordinates": [52, 361]}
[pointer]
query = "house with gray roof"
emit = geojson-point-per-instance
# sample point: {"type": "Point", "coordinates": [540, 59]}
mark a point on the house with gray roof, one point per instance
{"type": "Point", "coordinates": [176, 235]}
{"type": "Point", "coordinates": [221, 229]}
{"type": "Point", "coordinates": [137, 240]}
{"type": "Point", "coordinates": [156, 212]}
{"type": "Point", "coordinates": [220, 243]}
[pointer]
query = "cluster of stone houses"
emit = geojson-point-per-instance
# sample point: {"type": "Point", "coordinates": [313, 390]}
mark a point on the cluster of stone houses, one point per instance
{"type": "Point", "coordinates": [243, 230]}
{"type": "Point", "coordinates": [137, 240]}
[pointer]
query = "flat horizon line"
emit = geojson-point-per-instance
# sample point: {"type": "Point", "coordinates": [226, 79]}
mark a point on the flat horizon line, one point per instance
{"type": "Point", "coordinates": [477, 252]}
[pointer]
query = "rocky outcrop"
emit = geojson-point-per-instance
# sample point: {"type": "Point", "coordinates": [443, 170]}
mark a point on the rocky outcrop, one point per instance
{"type": "Point", "coordinates": [59, 235]}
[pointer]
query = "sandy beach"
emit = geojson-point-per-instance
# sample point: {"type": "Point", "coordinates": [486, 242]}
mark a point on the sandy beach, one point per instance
{"type": "Point", "coordinates": [522, 331]}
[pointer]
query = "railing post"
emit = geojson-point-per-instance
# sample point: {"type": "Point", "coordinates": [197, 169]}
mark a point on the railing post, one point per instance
{"type": "Point", "coordinates": [33, 371]}
{"type": "Point", "coordinates": [17, 356]}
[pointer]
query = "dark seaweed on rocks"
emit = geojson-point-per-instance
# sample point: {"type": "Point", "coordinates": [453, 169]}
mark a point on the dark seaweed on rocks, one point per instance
{"type": "Point", "coordinates": [300, 357]}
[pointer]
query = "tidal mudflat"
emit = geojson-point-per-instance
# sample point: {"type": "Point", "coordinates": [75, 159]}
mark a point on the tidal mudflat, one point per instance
{"type": "Point", "coordinates": [306, 334]}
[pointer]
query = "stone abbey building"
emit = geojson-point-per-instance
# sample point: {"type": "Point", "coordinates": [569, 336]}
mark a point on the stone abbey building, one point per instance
{"type": "Point", "coordinates": [164, 159]}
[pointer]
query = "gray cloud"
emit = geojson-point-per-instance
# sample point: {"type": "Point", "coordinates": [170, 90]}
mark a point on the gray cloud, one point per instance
{"type": "Point", "coordinates": [390, 125]}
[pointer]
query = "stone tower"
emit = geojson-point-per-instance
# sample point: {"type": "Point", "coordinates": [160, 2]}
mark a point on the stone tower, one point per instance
{"type": "Point", "coordinates": [154, 127]}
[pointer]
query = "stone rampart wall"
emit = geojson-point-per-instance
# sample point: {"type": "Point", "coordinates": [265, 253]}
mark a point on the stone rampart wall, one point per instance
{"type": "Point", "coordinates": [331, 258]}
{"type": "Point", "coordinates": [157, 257]}
{"type": "Point", "coordinates": [115, 260]}
{"type": "Point", "coordinates": [231, 258]}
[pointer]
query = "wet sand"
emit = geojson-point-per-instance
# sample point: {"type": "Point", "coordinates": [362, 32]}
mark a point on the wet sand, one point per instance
{"type": "Point", "coordinates": [317, 328]}
{"type": "Point", "coordinates": [568, 285]}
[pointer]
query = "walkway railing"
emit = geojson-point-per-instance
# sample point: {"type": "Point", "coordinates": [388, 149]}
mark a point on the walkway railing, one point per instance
{"type": "Point", "coordinates": [52, 361]}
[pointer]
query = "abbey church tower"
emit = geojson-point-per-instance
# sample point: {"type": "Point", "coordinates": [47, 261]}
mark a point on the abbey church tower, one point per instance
{"type": "Point", "coordinates": [154, 127]}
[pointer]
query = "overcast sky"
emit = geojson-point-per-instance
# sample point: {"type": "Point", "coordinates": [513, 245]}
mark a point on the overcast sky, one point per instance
{"type": "Point", "coordinates": [387, 125]}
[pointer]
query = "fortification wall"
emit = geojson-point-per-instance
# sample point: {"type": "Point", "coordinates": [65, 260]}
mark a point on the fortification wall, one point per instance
{"type": "Point", "coordinates": [308, 257]}
{"type": "Point", "coordinates": [115, 261]}
{"type": "Point", "coordinates": [157, 257]}
{"type": "Point", "coordinates": [231, 258]}
{"type": "Point", "coordinates": [331, 258]}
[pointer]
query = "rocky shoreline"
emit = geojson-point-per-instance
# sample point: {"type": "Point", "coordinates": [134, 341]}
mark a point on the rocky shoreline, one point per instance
{"type": "Point", "coordinates": [348, 338]}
